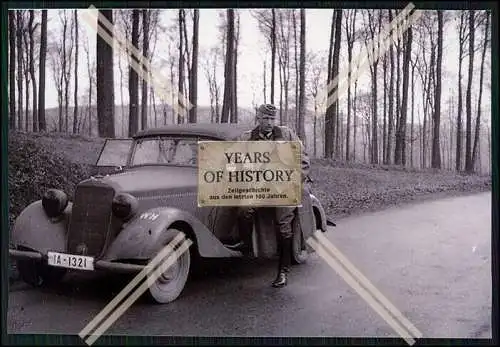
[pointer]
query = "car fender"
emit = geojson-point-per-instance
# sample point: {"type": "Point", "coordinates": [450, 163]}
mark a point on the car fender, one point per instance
{"type": "Point", "coordinates": [146, 234]}
{"type": "Point", "coordinates": [318, 208]}
{"type": "Point", "coordinates": [35, 230]}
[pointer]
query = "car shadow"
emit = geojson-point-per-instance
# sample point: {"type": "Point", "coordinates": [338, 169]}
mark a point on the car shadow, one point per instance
{"type": "Point", "coordinates": [103, 287]}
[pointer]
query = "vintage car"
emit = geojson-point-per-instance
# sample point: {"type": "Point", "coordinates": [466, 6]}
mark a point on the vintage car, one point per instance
{"type": "Point", "coordinates": [120, 220]}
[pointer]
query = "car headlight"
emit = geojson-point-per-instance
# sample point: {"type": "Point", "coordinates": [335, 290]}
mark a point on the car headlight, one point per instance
{"type": "Point", "coordinates": [54, 202]}
{"type": "Point", "coordinates": [124, 206]}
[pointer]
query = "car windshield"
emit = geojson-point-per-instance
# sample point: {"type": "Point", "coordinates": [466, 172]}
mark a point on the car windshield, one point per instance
{"type": "Point", "coordinates": [165, 150]}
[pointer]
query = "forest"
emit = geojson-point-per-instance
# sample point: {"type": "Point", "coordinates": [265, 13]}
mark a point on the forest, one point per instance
{"type": "Point", "coordinates": [395, 114]}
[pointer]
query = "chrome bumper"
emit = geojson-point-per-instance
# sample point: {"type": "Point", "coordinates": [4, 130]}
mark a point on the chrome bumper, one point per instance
{"type": "Point", "coordinates": [98, 265]}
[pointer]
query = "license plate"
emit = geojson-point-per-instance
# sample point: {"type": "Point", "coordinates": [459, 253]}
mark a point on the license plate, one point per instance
{"type": "Point", "coordinates": [71, 261]}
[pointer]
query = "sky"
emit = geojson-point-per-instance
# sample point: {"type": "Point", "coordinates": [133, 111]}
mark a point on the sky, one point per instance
{"type": "Point", "coordinates": [251, 54]}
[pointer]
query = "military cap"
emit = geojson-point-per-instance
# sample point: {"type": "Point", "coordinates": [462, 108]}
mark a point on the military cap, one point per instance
{"type": "Point", "coordinates": [268, 110]}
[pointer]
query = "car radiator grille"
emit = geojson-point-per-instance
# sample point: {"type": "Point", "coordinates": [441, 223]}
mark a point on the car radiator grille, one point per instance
{"type": "Point", "coordinates": [90, 220]}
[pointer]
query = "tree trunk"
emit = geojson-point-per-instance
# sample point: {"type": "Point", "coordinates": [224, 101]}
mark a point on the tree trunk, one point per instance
{"type": "Point", "coordinates": [458, 155]}
{"type": "Point", "coordinates": [234, 76]}
{"type": "Point", "coordinates": [315, 133]}
{"type": "Point", "coordinates": [75, 110]}
{"type": "Point", "coordinates": [436, 156]}
{"type": "Point", "coordinates": [64, 71]}
{"type": "Point", "coordinates": [350, 30]}
{"type": "Point", "coordinates": [475, 150]}
{"type": "Point", "coordinates": [19, 36]}
{"type": "Point", "coordinates": [180, 75]}
{"type": "Point", "coordinates": [373, 70]}
{"type": "Point", "coordinates": [330, 109]}
{"type": "Point", "coordinates": [27, 76]}
{"type": "Point", "coordinates": [32, 70]}
{"type": "Point", "coordinates": [390, 129]}
{"type": "Point", "coordinates": [264, 84]}
{"type": "Point", "coordinates": [355, 121]}
{"type": "Point", "coordinates": [41, 73]}
{"type": "Point", "coordinates": [146, 15]}
{"type": "Point", "coordinates": [133, 80]}
{"type": "Point", "coordinates": [105, 83]}
{"type": "Point", "coordinates": [468, 128]}
{"type": "Point", "coordinates": [228, 68]}
{"type": "Point", "coordinates": [273, 53]}
{"type": "Point", "coordinates": [12, 69]}
{"type": "Point", "coordinates": [193, 90]}
{"type": "Point", "coordinates": [296, 61]}
{"type": "Point", "coordinates": [123, 110]}
{"type": "Point", "coordinates": [335, 73]}
{"type": "Point", "coordinates": [412, 131]}
{"type": "Point", "coordinates": [384, 125]}
{"type": "Point", "coordinates": [302, 88]}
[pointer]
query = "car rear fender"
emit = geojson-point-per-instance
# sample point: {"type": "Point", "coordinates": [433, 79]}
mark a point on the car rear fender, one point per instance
{"type": "Point", "coordinates": [319, 213]}
{"type": "Point", "coordinates": [145, 235]}
{"type": "Point", "coordinates": [35, 230]}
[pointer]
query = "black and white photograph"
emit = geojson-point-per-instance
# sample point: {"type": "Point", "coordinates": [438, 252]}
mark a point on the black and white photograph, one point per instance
{"type": "Point", "coordinates": [391, 113]}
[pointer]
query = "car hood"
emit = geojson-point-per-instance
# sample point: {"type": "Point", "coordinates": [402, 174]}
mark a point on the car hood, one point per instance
{"type": "Point", "coordinates": [149, 179]}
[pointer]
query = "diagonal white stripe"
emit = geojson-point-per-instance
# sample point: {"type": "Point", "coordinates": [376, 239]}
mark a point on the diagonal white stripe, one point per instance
{"type": "Point", "coordinates": [138, 292]}
{"type": "Point", "coordinates": [384, 32]}
{"type": "Point", "coordinates": [366, 64]}
{"type": "Point", "coordinates": [376, 306]}
{"type": "Point", "coordinates": [135, 281]}
{"type": "Point", "coordinates": [335, 252]}
{"type": "Point", "coordinates": [146, 72]}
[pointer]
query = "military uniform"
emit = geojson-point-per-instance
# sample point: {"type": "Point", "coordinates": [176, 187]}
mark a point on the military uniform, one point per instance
{"type": "Point", "coordinates": [283, 215]}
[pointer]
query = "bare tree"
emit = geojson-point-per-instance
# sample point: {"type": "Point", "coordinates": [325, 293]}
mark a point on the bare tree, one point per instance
{"type": "Point", "coordinates": [234, 74]}
{"type": "Point", "coordinates": [390, 116]}
{"type": "Point", "coordinates": [350, 30]}
{"type": "Point", "coordinates": [302, 91]}
{"type": "Point", "coordinates": [43, 57]}
{"type": "Point", "coordinates": [332, 110]}
{"type": "Point", "coordinates": [146, 16]}
{"type": "Point", "coordinates": [316, 68]}
{"type": "Point", "coordinates": [105, 82]}
{"type": "Point", "coordinates": [19, 37]}
{"type": "Point", "coordinates": [461, 37]}
{"type": "Point", "coordinates": [267, 25]}
{"type": "Point", "coordinates": [26, 70]}
{"type": "Point", "coordinates": [228, 68]}
{"type": "Point", "coordinates": [180, 76]}
{"type": "Point", "coordinates": [468, 99]}
{"type": "Point", "coordinates": [91, 84]}
{"type": "Point", "coordinates": [436, 157]}
{"type": "Point", "coordinates": [12, 70]}
{"type": "Point", "coordinates": [193, 89]}
{"type": "Point", "coordinates": [475, 150]}
{"type": "Point", "coordinates": [374, 27]}
{"type": "Point", "coordinates": [75, 110]}
{"type": "Point", "coordinates": [133, 80]}
{"type": "Point", "coordinates": [66, 63]}
{"type": "Point", "coordinates": [296, 65]}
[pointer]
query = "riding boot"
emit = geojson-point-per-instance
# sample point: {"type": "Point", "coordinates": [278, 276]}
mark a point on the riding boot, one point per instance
{"type": "Point", "coordinates": [285, 260]}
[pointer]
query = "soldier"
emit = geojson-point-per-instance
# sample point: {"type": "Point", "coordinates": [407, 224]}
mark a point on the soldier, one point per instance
{"type": "Point", "coordinates": [266, 130]}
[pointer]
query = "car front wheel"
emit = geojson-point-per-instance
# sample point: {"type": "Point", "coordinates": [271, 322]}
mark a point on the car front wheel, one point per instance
{"type": "Point", "coordinates": [169, 285]}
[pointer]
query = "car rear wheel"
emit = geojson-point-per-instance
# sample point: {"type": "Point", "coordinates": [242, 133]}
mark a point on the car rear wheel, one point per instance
{"type": "Point", "coordinates": [38, 274]}
{"type": "Point", "coordinates": [169, 285]}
